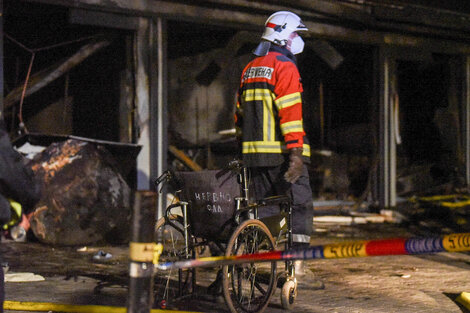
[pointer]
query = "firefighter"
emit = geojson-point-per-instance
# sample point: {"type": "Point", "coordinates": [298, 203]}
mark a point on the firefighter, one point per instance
{"type": "Point", "coordinates": [269, 115]}
{"type": "Point", "coordinates": [17, 186]}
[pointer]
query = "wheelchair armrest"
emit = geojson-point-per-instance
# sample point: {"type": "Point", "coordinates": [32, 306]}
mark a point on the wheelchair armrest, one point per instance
{"type": "Point", "coordinates": [274, 200]}
{"type": "Point", "coordinates": [240, 211]}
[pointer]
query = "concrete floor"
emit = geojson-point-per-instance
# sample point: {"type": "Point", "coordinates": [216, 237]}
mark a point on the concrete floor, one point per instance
{"type": "Point", "coordinates": [402, 283]}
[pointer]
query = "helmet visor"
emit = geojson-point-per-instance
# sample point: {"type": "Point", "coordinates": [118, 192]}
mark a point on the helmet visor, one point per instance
{"type": "Point", "coordinates": [301, 26]}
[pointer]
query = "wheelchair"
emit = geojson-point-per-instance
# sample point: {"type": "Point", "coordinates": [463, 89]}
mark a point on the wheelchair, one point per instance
{"type": "Point", "coordinates": [213, 212]}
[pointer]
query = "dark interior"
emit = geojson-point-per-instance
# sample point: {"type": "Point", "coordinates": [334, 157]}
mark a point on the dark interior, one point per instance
{"type": "Point", "coordinates": [93, 84]}
{"type": "Point", "coordinates": [340, 109]}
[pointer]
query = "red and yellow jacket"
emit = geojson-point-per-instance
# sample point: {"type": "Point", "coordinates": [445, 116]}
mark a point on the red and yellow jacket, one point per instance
{"type": "Point", "coordinates": [269, 109]}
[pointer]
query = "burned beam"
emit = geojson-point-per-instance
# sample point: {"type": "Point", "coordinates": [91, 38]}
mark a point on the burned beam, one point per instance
{"type": "Point", "coordinates": [84, 17]}
{"type": "Point", "coordinates": [180, 155]}
{"type": "Point", "coordinates": [45, 77]}
{"type": "Point", "coordinates": [411, 13]}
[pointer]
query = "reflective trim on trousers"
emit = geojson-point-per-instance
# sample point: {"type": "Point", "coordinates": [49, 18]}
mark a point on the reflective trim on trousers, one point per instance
{"type": "Point", "coordinates": [298, 238]}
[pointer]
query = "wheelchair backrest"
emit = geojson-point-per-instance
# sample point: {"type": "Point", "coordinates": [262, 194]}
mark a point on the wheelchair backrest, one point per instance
{"type": "Point", "coordinates": [211, 201]}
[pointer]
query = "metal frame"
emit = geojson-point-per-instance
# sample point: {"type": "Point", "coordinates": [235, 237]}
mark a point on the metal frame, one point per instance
{"type": "Point", "coordinates": [1, 59]}
{"type": "Point", "coordinates": [386, 176]}
{"type": "Point", "coordinates": [466, 120]}
{"type": "Point", "coordinates": [387, 148]}
{"type": "Point", "coordinates": [158, 103]}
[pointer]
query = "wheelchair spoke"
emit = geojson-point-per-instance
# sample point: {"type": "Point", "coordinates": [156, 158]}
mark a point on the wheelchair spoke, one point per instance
{"type": "Point", "coordinates": [170, 285]}
{"type": "Point", "coordinates": [260, 287]}
{"type": "Point", "coordinates": [246, 290]}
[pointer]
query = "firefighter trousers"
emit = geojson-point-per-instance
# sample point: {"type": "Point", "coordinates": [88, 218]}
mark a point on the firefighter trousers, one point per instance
{"type": "Point", "coordinates": [269, 181]}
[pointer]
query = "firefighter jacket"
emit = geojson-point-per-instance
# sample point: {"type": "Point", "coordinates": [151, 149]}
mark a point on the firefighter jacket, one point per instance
{"type": "Point", "coordinates": [17, 181]}
{"type": "Point", "coordinates": [269, 109]}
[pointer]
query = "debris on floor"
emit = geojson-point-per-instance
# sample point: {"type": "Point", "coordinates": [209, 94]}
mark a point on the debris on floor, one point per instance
{"type": "Point", "coordinates": [23, 277]}
{"type": "Point", "coordinates": [352, 217]}
{"type": "Point", "coordinates": [446, 213]}
{"type": "Point", "coordinates": [102, 256]}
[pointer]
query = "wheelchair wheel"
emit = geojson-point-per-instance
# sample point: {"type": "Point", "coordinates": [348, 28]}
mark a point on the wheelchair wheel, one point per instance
{"type": "Point", "coordinates": [170, 285]}
{"type": "Point", "coordinates": [248, 287]}
{"type": "Point", "coordinates": [288, 294]}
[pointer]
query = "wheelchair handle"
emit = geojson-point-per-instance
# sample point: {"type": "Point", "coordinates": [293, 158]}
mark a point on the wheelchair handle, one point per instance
{"type": "Point", "coordinates": [234, 165]}
{"type": "Point", "coordinates": [166, 176]}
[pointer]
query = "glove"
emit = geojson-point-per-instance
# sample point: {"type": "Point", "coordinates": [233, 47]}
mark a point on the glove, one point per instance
{"type": "Point", "coordinates": [295, 165]}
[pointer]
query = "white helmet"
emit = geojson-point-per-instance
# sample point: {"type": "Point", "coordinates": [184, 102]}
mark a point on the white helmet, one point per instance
{"type": "Point", "coordinates": [281, 28]}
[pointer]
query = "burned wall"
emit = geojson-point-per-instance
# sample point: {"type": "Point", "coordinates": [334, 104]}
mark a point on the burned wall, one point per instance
{"type": "Point", "coordinates": [202, 89]}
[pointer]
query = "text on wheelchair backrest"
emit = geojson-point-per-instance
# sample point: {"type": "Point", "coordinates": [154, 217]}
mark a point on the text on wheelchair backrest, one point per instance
{"type": "Point", "coordinates": [213, 200]}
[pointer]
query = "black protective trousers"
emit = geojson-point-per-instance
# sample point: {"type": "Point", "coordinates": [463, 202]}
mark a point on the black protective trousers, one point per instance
{"type": "Point", "coordinates": [269, 181]}
{"type": "Point", "coordinates": [2, 288]}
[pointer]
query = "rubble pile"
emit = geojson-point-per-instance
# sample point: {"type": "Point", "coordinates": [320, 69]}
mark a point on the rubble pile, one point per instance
{"type": "Point", "coordinates": [85, 199]}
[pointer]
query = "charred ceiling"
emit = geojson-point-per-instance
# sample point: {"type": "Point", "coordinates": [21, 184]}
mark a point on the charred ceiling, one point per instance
{"type": "Point", "coordinates": [367, 21]}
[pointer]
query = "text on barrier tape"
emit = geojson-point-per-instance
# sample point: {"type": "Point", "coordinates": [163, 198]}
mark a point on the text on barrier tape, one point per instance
{"type": "Point", "coordinates": [456, 242]}
{"type": "Point", "coordinates": [145, 251]}
{"type": "Point", "coordinates": [345, 250]}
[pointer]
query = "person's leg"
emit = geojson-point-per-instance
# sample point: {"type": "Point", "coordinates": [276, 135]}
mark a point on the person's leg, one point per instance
{"type": "Point", "coordinates": [302, 228]}
{"type": "Point", "coordinates": [2, 288]}
{"type": "Point", "coordinates": [265, 183]}
{"type": "Point", "coordinates": [302, 210]}
{"type": "Point", "coordinates": [268, 182]}
{"type": "Point", "coordinates": [5, 211]}
{"type": "Point", "coordinates": [5, 214]}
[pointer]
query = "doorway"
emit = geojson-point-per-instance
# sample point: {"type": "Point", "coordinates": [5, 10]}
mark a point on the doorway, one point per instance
{"type": "Point", "coordinates": [429, 128]}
